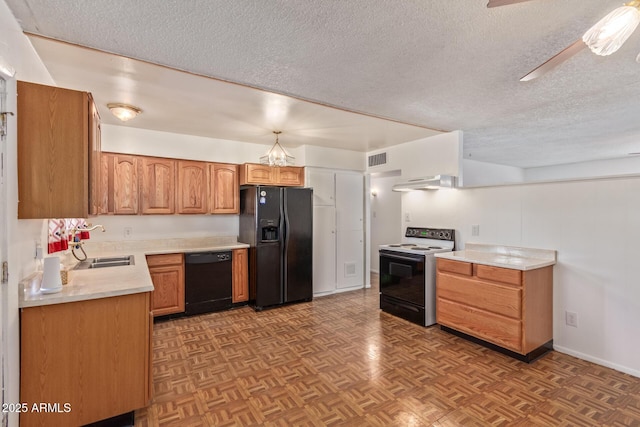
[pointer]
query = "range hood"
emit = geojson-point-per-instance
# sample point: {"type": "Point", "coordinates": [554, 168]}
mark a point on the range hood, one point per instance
{"type": "Point", "coordinates": [426, 183]}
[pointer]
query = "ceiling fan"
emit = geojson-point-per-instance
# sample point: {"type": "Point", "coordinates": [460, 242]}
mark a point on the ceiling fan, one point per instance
{"type": "Point", "coordinates": [604, 38]}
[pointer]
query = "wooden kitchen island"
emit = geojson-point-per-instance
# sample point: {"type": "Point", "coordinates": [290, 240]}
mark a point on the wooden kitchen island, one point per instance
{"type": "Point", "coordinates": [498, 296]}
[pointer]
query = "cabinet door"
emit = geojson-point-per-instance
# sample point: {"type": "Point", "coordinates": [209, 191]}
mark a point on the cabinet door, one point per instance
{"type": "Point", "coordinates": [290, 176]}
{"type": "Point", "coordinates": [324, 249]}
{"type": "Point", "coordinates": [168, 282]}
{"type": "Point", "coordinates": [95, 169]}
{"type": "Point", "coordinates": [106, 161]}
{"type": "Point", "coordinates": [253, 173]}
{"type": "Point", "coordinates": [323, 184]}
{"type": "Point", "coordinates": [124, 189]}
{"type": "Point", "coordinates": [224, 194]}
{"type": "Point", "coordinates": [98, 363]}
{"type": "Point", "coordinates": [349, 201]}
{"type": "Point", "coordinates": [192, 187]}
{"type": "Point", "coordinates": [158, 185]}
{"type": "Point", "coordinates": [240, 276]}
{"type": "Point", "coordinates": [53, 152]}
{"type": "Point", "coordinates": [350, 259]}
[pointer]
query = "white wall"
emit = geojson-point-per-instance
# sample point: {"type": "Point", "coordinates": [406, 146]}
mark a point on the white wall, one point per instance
{"type": "Point", "coordinates": [150, 227]}
{"type": "Point", "coordinates": [482, 174]}
{"type": "Point", "coordinates": [479, 174]}
{"type": "Point", "coordinates": [595, 227]}
{"type": "Point", "coordinates": [436, 155]}
{"type": "Point", "coordinates": [127, 139]}
{"type": "Point", "coordinates": [386, 221]}
{"type": "Point", "coordinates": [597, 168]}
{"type": "Point", "coordinates": [332, 158]}
{"type": "Point", "coordinates": [17, 52]}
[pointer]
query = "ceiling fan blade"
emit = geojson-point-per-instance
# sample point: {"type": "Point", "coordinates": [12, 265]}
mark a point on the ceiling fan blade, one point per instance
{"type": "Point", "coordinates": [562, 56]}
{"type": "Point", "coordinates": [497, 3]}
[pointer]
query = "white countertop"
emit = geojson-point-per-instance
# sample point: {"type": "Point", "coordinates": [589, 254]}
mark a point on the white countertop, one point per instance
{"type": "Point", "coordinates": [513, 257]}
{"type": "Point", "coordinates": [114, 281]}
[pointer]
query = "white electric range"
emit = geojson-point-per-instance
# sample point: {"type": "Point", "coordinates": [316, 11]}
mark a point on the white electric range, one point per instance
{"type": "Point", "coordinates": [408, 273]}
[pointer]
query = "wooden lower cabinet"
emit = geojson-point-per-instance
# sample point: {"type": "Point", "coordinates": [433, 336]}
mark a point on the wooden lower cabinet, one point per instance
{"type": "Point", "coordinates": [91, 359]}
{"type": "Point", "coordinates": [506, 307]}
{"type": "Point", "coordinates": [240, 276]}
{"type": "Point", "coordinates": [167, 275]}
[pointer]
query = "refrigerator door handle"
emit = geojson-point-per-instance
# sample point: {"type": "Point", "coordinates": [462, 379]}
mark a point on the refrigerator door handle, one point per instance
{"type": "Point", "coordinates": [284, 226]}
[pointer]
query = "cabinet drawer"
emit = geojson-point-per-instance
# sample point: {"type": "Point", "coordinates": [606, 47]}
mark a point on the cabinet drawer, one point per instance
{"type": "Point", "coordinates": [498, 274]}
{"type": "Point", "coordinates": [499, 330]}
{"type": "Point", "coordinates": [168, 259]}
{"type": "Point", "coordinates": [457, 267]}
{"type": "Point", "coordinates": [498, 299]}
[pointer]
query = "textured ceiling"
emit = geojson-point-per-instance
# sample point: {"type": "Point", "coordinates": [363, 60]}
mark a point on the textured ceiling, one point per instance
{"type": "Point", "coordinates": [438, 64]}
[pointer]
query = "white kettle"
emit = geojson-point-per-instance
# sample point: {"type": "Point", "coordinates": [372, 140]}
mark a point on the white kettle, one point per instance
{"type": "Point", "coordinates": [51, 282]}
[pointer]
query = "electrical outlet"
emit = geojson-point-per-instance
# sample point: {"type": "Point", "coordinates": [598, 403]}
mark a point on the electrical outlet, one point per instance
{"type": "Point", "coordinates": [407, 217]}
{"type": "Point", "coordinates": [571, 318]}
{"type": "Point", "coordinates": [475, 230]}
{"type": "Point", "coordinates": [128, 232]}
{"type": "Point", "coordinates": [39, 253]}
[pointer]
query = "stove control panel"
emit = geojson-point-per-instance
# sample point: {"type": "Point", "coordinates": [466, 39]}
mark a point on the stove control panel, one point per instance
{"type": "Point", "coordinates": [431, 233]}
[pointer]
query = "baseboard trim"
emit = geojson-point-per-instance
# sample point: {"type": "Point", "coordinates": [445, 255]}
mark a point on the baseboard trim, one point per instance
{"type": "Point", "coordinates": [597, 361]}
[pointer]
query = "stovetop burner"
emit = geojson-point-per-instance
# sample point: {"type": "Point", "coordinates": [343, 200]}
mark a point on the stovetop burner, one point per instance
{"type": "Point", "coordinates": [424, 240]}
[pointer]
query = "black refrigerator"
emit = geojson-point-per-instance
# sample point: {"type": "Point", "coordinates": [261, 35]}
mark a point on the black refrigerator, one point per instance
{"type": "Point", "coordinates": [277, 223]}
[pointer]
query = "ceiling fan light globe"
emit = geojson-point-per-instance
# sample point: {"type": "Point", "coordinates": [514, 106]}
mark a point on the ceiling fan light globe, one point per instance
{"type": "Point", "coordinates": [610, 33]}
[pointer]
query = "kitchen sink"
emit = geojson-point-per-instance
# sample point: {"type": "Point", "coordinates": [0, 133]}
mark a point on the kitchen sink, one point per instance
{"type": "Point", "coordinates": [105, 262]}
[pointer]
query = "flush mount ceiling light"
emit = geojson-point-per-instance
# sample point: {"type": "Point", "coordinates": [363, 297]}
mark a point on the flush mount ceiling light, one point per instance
{"type": "Point", "coordinates": [124, 111]}
{"type": "Point", "coordinates": [277, 156]}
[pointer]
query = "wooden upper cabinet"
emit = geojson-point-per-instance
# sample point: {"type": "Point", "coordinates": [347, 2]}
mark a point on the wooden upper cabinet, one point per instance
{"type": "Point", "coordinates": [120, 195]}
{"type": "Point", "coordinates": [290, 175]}
{"type": "Point", "coordinates": [192, 187]}
{"type": "Point", "coordinates": [53, 152]}
{"type": "Point", "coordinates": [258, 174]}
{"type": "Point", "coordinates": [95, 169]}
{"type": "Point", "coordinates": [252, 173]}
{"type": "Point", "coordinates": [224, 189]}
{"type": "Point", "coordinates": [158, 181]}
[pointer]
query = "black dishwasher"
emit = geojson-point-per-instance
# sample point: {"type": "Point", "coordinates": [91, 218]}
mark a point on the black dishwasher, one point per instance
{"type": "Point", "coordinates": [208, 281]}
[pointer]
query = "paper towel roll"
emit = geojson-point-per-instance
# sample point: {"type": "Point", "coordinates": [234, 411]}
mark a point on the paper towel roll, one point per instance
{"type": "Point", "coordinates": [51, 282]}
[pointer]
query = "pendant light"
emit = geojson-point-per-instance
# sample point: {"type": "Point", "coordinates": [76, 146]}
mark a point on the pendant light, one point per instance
{"type": "Point", "coordinates": [277, 156]}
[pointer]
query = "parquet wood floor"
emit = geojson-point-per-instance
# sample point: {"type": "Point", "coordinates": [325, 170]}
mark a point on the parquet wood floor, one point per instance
{"type": "Point", "coordinates": [339, 361]}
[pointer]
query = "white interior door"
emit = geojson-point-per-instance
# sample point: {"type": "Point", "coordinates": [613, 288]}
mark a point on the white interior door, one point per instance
{"type": "Point", "coordinates": [349, 201]}
{"type": "Point", "coordinates": [350, 268]}
{"type": "Point", "coordinates": [323, 185]}
{"type": "Point", "coordinates": [3, 245]}
{"type": "Point", "coordinates": [324, 249]}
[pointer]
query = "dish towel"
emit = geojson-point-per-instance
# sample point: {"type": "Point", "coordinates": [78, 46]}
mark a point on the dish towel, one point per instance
{"type": "Point", "coordinates": [60, 233]}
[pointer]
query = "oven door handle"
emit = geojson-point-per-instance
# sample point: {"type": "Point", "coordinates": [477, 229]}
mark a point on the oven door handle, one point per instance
{"type": "Point", "coordinates": [400, 257]}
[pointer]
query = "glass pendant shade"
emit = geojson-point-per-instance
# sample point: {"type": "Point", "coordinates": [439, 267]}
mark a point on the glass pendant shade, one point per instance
{"type": "Point", "coordinates": [610, 33]}
{"type": "Point", "coordinates": [277, 156]}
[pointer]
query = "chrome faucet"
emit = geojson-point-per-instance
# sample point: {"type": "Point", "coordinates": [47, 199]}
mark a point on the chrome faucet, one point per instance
{"type": "Point", "coordinates": [78, 245]}
{"type": "Point", "coordinates": [91, 228]}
